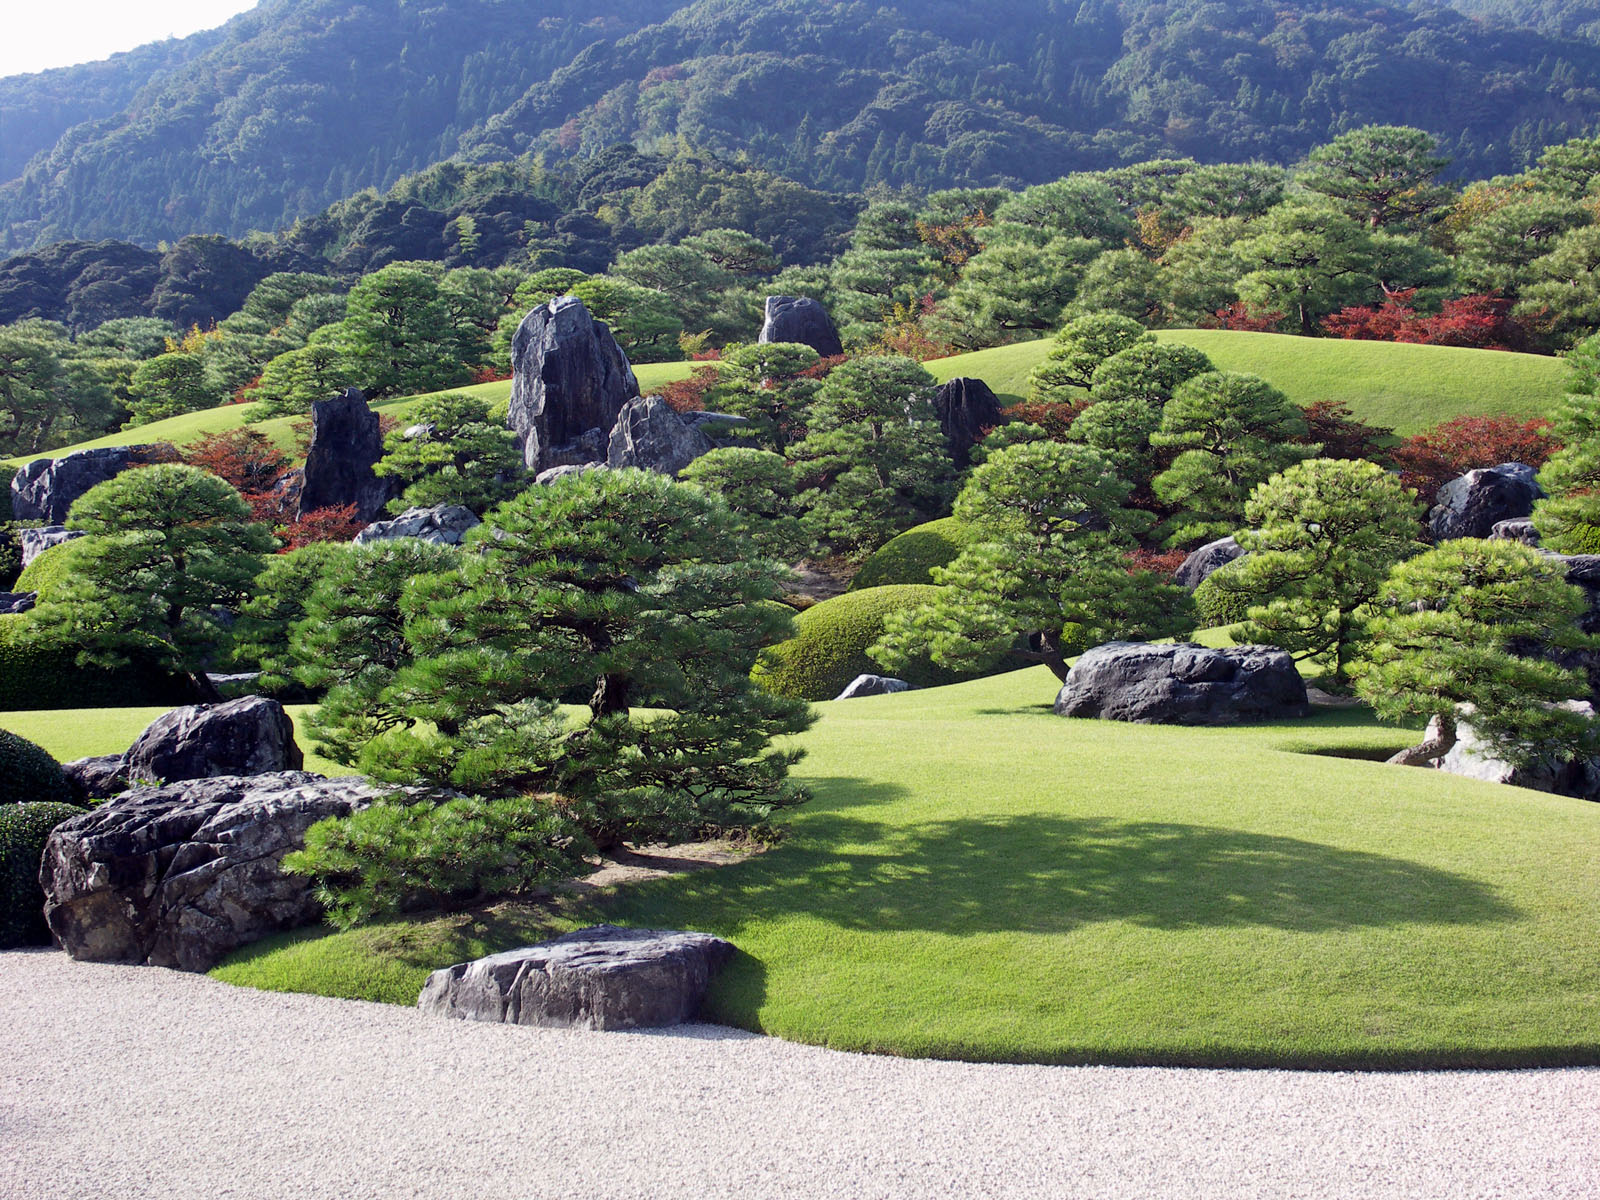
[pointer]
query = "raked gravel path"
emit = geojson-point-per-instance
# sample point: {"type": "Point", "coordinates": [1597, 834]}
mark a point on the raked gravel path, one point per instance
{"type": "Point", "coordinates": [118, 1083]}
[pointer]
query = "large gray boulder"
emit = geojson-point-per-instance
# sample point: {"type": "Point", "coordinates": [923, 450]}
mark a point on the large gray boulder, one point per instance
{"type": "Point", "coordinates": [181, 875]}
{"type": "Point", "coordinates": [649, 435]}
{"type": "Point", "coordinates": [1471, 505]}
{"type": "Point", "coordinates": [248, 736]}
{"type": "Point", "coordinates": [35, 542]}
{"type": "Point", "coordinates": [968, 409]}
{"type": "Point", "coordinates": [801, 319]}
{"type": "Point", "coordinates": [45, 489]}
{"type": "Point", "coordinates": [570, 379]}
{"type": "Point", "coordinates": [602, 977]}
{"type": "Point", "coordinates": [1206, 559]}
{"type": "Point", "coordinates": [444, 524]}
{"type": "Point", "coordinates": [96, 777]}
{"type": "Point", "coordinates": [1183, 684]}
{"type": "Point", "coordinates": [346, 442]}
{"type": "Point", "coordinates": [1471, 758]}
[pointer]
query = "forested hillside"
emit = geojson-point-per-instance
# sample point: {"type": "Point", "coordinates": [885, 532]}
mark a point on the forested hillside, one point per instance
{"type": "Point", "coordinates": [299, 104]}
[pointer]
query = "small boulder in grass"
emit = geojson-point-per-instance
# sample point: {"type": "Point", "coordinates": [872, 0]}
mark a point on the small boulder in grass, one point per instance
{"type": "Point", "coordinates": [603, 977]}
{"type": "Point", "coordinates": [873, 685]}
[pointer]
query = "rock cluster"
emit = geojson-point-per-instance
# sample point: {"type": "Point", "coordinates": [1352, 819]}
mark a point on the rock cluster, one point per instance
{"type": "Point", "coordinates": [800, 319]}
{"type": "Point", "coordinates": [445, 524]}
{"type": "Point", "coordinates": [1183, 684]}
{"type": "Point", "coordinates": [180, 875]}
{"type": "Point", "coordinates": [345, 444]}
{"type": "Point", "coordinates": [570, 380]}
{"type": "Point", "coordinates": [603, 977]}
{"type": "Point", "coordinates": [1471, 505]}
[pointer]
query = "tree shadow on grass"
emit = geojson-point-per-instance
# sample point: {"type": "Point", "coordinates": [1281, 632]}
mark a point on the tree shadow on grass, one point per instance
{"type": "Point", "coordinates": [1049, 874]}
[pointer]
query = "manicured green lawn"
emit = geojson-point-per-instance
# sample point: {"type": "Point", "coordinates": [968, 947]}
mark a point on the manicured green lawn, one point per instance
{"type": "Point", "coordinates": [978, 878]}
{"type": "Point", "coordinates": [1405, 388]}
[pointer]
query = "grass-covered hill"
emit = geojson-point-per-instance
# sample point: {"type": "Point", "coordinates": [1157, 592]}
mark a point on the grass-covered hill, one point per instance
{"type": "Point", "coordinates": [980, 879]}
{"type": "Point", "coordinates": [298, 104]}
{"type": "Point", "coordinates": [1404, 387]}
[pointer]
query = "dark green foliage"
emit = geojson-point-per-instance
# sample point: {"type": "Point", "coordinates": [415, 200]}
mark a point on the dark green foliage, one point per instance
{"type": "Point", "coordinates": [910, 557]}
{"type": "Point", "coordinates": [39, 672]}
{"type": "Point", "coordinates": [451, 452]}
{"type": "Point", "coordinates": [278, 600]}
{"type": "Point", "coordinates": [1082, 345]}
{"type": "Point", "coordinates": [829, 647]}
{"type": "Point", "coordinates": [49, 572]}
{"type": "Point", "coordinates": [24, 829]}
{"type": "Point", "coordinates": [28, 773]}
{"type": "Point", "coordinates": [758, 488]}
{"type": "Point", "coordinates": [403, 855]}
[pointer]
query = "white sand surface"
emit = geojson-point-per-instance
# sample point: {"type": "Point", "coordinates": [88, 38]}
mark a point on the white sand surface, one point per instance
{"type": "Point", "coordinates": [126, 1082]}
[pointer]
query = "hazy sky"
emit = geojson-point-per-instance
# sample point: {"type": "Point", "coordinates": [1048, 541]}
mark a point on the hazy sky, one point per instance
{"type": "Point", "coordinates": [38, 34]}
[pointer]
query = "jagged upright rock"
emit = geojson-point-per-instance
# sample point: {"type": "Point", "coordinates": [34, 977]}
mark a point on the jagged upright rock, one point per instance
{"type": "Point", "coordinates": [968, 409]}
{"type": "Point", "coordinates": [648, 434]}
{"type": "Point", "coordinates": [45, 489]}
{"type": "Point", "coordinates": [570, 379]}
{"type": "Point", "coordinates": [1471, 505]}
{"type": "Point", "coordinates": [345, 443]}
{"type": "Point", "coordinates": [801, 319]}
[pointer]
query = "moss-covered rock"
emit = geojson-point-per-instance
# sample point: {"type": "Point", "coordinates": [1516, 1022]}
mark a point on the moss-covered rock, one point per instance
{"type": "Point", "coordinates": [911, 556]}
{"type": "Point", "coordinates": [39, 673]}
{"type": "Point", "coordinates": [829, 648]}
{"type": "Point", "coordinates": [24, 829]}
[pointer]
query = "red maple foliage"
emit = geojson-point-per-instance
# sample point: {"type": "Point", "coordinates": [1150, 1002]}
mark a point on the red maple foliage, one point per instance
{"type": "Point", "coordinates": [1164, 562]}
{"type": "Point", "coordinates": [323, 525]}
{"type": "Point", "coordinates": [490, 375]}
{"type": "Point", "coordinates": [689, 395]}
{"type": "Point", "coordinates": [1054, 418]}
{"type": "Point", "coordinates": [1331, 425]}
{"type": "Point", "coordinates": [1237, 316]}
{"type": "Point", "coordinates": [246, 458]}
{"type": "Point", "coordinates": [1482, 322]}
{"type": "Point", "coordinates": [1428, 461]}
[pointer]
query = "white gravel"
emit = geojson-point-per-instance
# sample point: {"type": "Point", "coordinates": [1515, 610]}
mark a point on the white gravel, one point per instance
{"type": "Point", "coordinates": [125, 1082]}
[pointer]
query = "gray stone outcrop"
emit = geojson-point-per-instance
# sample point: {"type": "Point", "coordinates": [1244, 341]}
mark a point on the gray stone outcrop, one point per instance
{"type": "Point", "coordinates": [15, 603]}
{"type": "Point", "coordinates": [801, 319]}
{"type": "Point", "coordinates": [602, 977]}
{"type": "Point", "coordinates": [1183, 684]}
{"type": "Point", "coordinates": [181, 875]}
{"type": "Point", "coordinates": [968, 409]}
{"type": "Point", "coordinates": [35, 542]}
{"type": "Point", "coordinates": [1516, 529]}
{"type": "Point", "coordinates": [1471, 505]}
{"type": "Point", "coordinates": [44, 489]}
{"type": "Point", "coordinates": [96, 777]}
{"type": "Point", "coordinates": [1206, 559]}
{"type": "Point", "coordinates": [873, 685]}
{"type": "Point", "coordinates": [444, 524]}
{"type": "Point", "coordinates": [649, 435]}
{"type": "Point", "coordinates": [570, 379]}
{"type": "Point", "coordinates": [249, 736]}
{"type": "Point", "coordinates": [345, 444]}
{"type": "Point", "coordinates": [1471, 758]}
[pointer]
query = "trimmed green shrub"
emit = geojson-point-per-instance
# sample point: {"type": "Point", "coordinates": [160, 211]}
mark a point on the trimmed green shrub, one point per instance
{"type": "Point", "coordinates": [43, 673]}
{"type": "Point", "coordinates": [49, 571]}
{"type": "Point", "coordinates": [910, 557]}
{"type": "Point", "coordinates": [829, 648]}
{"type": "Point", "coordinates": [28, 773]}
{"type": "Point", "coordinates": [24, 829]}
{"type": "Point", "coordinates": [1218, 607]}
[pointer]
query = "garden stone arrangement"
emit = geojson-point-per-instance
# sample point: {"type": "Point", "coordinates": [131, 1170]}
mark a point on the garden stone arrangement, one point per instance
{"type": "Point", "coordinates": [443, 524]}
{"type": "Point", "coordinates": [179, 875]}
{"type": "Point", "coordinates": [603, 977]}
{"type": "Point", "coordinates": [345, 445]}
{"type": "Point", "coordinates": [1471, 505]}
{"type": "Point", "coordinates": [570, 381]}
{"type": "Point", "coordinates": [1183, 684]}
{"type": "Point", "coordinates": [45, 489]}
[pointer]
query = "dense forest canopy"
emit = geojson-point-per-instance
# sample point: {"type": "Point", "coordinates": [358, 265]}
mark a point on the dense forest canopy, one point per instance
{"type": "Point", "coordinates": [299, 104]}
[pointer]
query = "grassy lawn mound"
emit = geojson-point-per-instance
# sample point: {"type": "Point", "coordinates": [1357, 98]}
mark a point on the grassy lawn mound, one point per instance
{"type": "Point", "coordinates": [979, 879]}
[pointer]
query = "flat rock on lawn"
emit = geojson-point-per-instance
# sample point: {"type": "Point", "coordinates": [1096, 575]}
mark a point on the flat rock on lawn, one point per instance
{"type": "Point", "coordinates": [603, 977]}
{"type": "Point", "coordinates": [1182, 684]}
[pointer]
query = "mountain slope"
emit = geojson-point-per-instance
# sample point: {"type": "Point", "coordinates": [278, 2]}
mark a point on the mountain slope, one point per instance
{"type": "Point", "coordinates": [300, 103]}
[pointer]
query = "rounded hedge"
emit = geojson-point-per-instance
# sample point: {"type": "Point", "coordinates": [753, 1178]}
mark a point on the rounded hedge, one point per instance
{"type": "Point", "coordinates": [29, 774]}
{"type": "Point", "coordinates": [1217, 607]}
{"type": "Point", "coordinates": [42, 673]}
{"type": "Point", "coordinates": [24, 829]}
{"type": "Point", "coordinates": [49, 571]}
{"type": "Point", "coordinates": [829, 648]}
{"type": "Point", "coordinates": [910, 557]}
